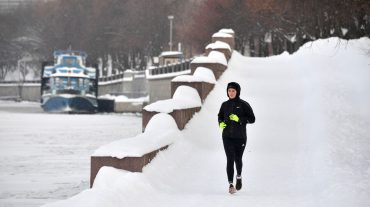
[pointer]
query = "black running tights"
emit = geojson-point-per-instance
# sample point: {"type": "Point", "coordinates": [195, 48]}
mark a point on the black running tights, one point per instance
{"type": "Point", "coordinates": [234, 149]}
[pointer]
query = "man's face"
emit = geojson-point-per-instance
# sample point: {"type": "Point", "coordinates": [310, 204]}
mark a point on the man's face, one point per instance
{"type": "Point", "coordinates": [231, 92]}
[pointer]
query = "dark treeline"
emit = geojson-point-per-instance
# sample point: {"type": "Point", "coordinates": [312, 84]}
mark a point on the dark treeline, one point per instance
{"type": "Point", "coordinates": [132, 32]}
{"type": "Point", "coordinates": [267, 27]}
{"type": "Point", "coordinates": [129, 32]}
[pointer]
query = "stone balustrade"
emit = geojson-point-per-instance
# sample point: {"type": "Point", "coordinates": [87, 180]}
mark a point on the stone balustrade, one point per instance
{"type": "Point", "coordinates": [163, 119]}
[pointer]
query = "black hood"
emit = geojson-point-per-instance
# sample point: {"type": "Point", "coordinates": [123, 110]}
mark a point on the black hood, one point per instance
{"type": "Point", "coordinates": [235, 86]}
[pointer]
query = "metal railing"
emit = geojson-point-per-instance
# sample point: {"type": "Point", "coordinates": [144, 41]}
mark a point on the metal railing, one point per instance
{"type": "Point", "coordinates": [173, 68]}
{"type": "Point", "coordinates": [120, 76]}
{"type": "Point", "coordinates": [19, 82]}
{"type": "Point", "coordinates": [111, 78]}
{"type": "Point", "coordinates": [101, 79]}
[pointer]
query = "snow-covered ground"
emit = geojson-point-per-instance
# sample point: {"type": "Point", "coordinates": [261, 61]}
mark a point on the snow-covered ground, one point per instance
{"type": "Point", "coordinates": [46, 157]}
{"type": "Point", "coordinates": [310, 145]}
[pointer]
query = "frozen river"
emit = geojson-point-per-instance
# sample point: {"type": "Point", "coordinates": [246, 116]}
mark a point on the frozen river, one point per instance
{"type": "Point", "coordinates": [46, 157]}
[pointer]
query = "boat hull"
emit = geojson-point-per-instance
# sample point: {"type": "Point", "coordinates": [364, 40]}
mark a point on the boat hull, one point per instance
{"type": "Point", "coordinates": [69, 104]}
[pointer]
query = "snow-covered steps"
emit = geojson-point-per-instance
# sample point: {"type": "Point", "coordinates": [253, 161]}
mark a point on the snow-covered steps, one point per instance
{"type": "Point", "coordinates": [203, 80]}
{"type": "Point", "coordinates": [216, 61]}
{"type": "Point", "coordinates": [132, 154]}
{"type": "Point", "coordinates": [219, 46]}
{"type": "Point", "coordinates": [182, 106]}
{"type": "Point", "coordinates": [218, 53]}
{"type": "Point", "coordinates": [225, 35]}
{"type": "Point", "coordinates": [188, 92]}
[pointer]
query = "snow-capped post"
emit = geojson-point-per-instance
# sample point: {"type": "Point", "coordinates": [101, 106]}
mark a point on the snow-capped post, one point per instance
{"type": "Point", "coordinates": [188, 92]}
{"type": "Point", "coordinates": [225, 35]}
{"type": "Point", "coordinates": [202, 80]}
{"type": "Point", "coordinates": [216, 61]}
{"type": "Point", "coordinates": [132, 164]}
{"type": "Point", "coordinates": [182, 106]}
{"type": "Point", "coordinates": [132, 154]}
{"type": "Point", "coordinates": [220, 47]}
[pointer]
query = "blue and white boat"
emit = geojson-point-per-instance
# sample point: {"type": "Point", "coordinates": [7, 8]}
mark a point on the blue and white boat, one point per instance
{"type": "Point", "coordinates": [68, 85]}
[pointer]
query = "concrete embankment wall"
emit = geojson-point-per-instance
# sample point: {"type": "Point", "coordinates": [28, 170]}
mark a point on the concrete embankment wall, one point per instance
{"type": "Point", "coordinates": [133, 88]}
{"type": "Point", "coordinates": [27, 92]}
{"type": "Point", "coordinates": [159, 89]}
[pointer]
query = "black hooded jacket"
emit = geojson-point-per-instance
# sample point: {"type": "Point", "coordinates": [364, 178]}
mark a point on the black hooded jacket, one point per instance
{"type": "Point", "coordinates": [235, 130]}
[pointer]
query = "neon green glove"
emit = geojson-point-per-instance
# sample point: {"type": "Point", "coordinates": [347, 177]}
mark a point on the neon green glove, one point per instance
{"type": "Point", "coordinates": [222, 125]}
{"type": "Point", "coordinates": [234, 117]}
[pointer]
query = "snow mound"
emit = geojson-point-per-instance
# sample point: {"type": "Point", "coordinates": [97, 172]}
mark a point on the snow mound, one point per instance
{"type": "Point", "coordinates": [219, 45]}
{"type": "Point", "coordinates": [201, 74]}
{"type": "Point", "coordinates": [160, 123]}
{"type": "Point", "coordinates": [213, 57]}
{"type": "Point", "coordinates": [222, 34]}
{"type": "Point", "coordinates": [184, 97]}
{"type": "Point", "coordinates": [160, 131]}
{"type": "Point", "coordinates": [227, 31]}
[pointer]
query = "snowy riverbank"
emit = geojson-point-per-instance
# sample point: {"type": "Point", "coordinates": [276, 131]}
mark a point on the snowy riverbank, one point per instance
{"type": "Point", "coordinates": [310, 144]}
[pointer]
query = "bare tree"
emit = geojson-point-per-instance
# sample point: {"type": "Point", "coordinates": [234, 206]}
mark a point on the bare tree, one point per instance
{"type": "Point", "coordinates": [131, 32]}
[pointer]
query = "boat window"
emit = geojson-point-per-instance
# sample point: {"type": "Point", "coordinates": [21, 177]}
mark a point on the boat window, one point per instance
{"type": "Point", "coordinates": [81, 83]}
{"type": "Point", "coordinates": [69, 61]}
{"type": "Point", "coordinates": [63, 82]}
{"type": "Point", "coordinates": [73, 83]}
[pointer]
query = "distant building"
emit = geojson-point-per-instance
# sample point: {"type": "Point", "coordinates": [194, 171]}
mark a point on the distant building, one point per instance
{"type": "Point", "coordinates": [170, 57]}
